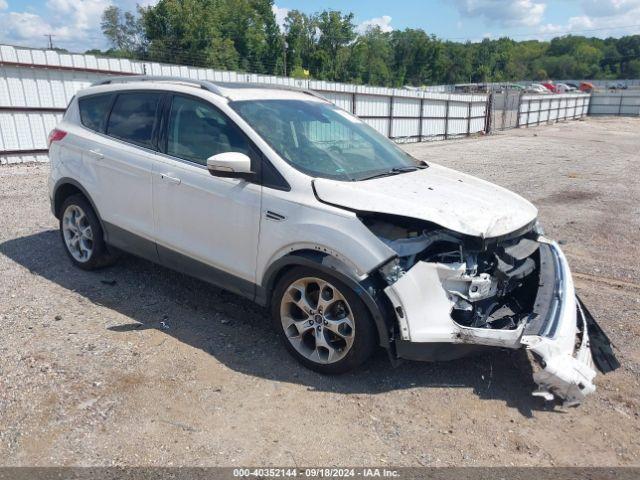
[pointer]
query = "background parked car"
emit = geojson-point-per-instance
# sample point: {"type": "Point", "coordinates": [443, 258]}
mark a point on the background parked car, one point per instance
{"type": "Point", "coordinates": [564, 88]}
{"type": "Point", "coordinates": [537, 88]}
{"type": "Point", "coordinates": [586, 87]}
{"type": "Point", "coordinates": [550, 86]}
{"type": "Point", "coordinates": [617, 86]}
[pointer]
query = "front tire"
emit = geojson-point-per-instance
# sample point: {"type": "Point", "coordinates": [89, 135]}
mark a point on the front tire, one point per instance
{"type": "Point", "coordinates": [322, 322]}
{"type": "Point", "coordinates": [82, 235]}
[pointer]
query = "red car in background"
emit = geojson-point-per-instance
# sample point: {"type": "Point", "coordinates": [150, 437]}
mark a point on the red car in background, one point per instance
{"type": "Point", "coordinates": [550, 86]}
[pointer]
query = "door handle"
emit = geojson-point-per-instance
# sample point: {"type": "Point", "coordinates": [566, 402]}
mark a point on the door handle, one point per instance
{"type": "Point", "coordinates": [96, 154]}
{"type": "Point", "coordinates": [170, 178]}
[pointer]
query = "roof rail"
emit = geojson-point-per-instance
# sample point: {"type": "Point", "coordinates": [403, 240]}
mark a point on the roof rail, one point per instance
{"type": "Point", "coordinates": [270, 86]}
{"type": "Point", "coordinates": [204, 84]}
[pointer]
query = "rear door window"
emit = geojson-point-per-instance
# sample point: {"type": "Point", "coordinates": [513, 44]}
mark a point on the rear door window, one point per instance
{"type": "Point", "coordinates": [133, 117]}
{"type": "Point", "coordinates": [94, 110]}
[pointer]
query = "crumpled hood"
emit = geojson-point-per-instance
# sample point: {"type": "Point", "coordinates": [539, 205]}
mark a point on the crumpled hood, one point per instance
{"type": "Point", "coordinates": [437, 194]}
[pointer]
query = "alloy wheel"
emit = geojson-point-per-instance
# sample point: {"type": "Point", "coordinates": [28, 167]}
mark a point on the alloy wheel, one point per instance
{"type": "Point", "coordinates": [77, 232]}
{"type": "Point", "coordinates": [317, 320]}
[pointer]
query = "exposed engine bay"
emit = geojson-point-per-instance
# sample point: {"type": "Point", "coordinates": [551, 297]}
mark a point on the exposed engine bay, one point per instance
{"type": "Point", "coordinates": [495, 282]}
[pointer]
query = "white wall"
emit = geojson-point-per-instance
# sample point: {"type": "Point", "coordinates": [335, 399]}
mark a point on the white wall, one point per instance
{"type": "Point", "coordinates": [542, 109]}
{"type": "Point", "coordinates": [622, 102]}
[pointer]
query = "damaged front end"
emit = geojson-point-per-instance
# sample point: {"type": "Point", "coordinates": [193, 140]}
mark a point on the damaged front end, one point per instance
{"type": "Point", "coordinates": [515, 291]}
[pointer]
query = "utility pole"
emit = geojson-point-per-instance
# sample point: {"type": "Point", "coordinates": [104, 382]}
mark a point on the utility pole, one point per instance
{"type": "Point", "coordinates": [284, 53]}
{"type": "Point", "coordinates": [50, 37]}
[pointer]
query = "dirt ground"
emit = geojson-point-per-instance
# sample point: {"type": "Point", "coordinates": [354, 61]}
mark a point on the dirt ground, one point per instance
{"type": "Point", "coordinates": [138, 365]}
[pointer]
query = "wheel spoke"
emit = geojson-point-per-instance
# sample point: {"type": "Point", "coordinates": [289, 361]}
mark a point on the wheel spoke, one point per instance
{"type": "Point", "coordinates": [298, 295]}
{"type": "Point", "coordinates": [79, 219]}
{"type": "Point", "coordinates": [322, 346]}
{"type": "Point", "coordinates": [87, 232]}
{"type": "Point", "coordinates": [342, 327]}
{"type": "Point", "coordinates": [301, 326]}
{"type": "Point", "coordinates": [326, 297]}
{"type": "Point", "coordinates": [84, 250]}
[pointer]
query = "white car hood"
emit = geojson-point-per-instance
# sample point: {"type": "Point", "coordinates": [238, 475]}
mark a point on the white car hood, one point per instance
{"type": "Point", "coordinates": [437, 194]}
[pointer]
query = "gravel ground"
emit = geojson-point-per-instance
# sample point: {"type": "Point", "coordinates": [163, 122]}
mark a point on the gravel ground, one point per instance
{"type": "Point", "coordinates": [90, 374]}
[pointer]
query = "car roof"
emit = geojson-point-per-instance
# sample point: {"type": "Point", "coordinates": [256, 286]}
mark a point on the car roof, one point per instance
{"type": "Point", "coordinates": [230, 90]}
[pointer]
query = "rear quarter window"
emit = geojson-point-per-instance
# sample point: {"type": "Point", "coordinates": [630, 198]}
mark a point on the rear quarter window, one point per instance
{"type": "Point", "coordinates": [94, 110]}
{"type": "Point", "coordinates": [133, 117]}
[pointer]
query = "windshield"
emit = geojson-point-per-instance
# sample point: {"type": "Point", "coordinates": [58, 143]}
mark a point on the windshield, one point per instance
{"type": "Point", "coordinates": [323, 141]}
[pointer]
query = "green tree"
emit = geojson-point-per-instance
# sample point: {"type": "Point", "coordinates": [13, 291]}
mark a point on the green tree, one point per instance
{"type": "Point", "coordinates": [371, 58]}
{"type": "Point", "coordinates": [230, 34]}
{"type": "Point", "coordinates": [123, 30]}
{"type": "Point", "coordinates": [300, 32]}
{"type": "Point", "coordinates": [629, 48]}
{"type": "Point", "coordinates": [335, 31]}
{"type": "Point", "coordinates": [243, 35]}
{"type": "Point", "coordinates": [418, 58]}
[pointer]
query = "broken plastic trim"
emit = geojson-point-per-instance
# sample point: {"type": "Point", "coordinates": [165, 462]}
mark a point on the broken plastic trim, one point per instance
{"type": "Point", "coordinates": [391, 271]}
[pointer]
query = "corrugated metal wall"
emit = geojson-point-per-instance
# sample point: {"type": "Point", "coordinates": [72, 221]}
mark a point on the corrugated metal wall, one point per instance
{"type": "Point", "coordinates": [541, 109]}
{"type": "Point", "coordinates": [618, 103]}
{"type": "Point", "coordinates": [36, 86]}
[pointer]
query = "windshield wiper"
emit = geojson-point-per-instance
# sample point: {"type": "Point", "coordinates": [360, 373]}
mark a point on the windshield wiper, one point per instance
{"type": "Point", "coordinates": [393, 171]}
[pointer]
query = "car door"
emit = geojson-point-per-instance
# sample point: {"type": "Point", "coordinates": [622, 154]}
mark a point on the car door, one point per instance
{"type": "Point", "coordinates": [124, 157]}
{"type": "Point", "coordinates": [206, 226]}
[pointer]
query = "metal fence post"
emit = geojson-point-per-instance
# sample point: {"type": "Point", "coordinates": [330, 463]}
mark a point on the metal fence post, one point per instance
{"type": "Point", "coordinates": [487, 114]}
{"type": "Point", "coordinates": [518, 110]}
{"type": "Point", "coordinates": [528, 111]}
{"type": "Point", "coordinates": [469, 119]}
{"type": "Point", "coordinates": [354, 99]}
{"type": "Point", "coordinates": [390, 131]}
{"type": "Point", "coordinates": [446, 120]}
{"type": "Point", "coordinates": [420, 119]}
{"type": "Point", "coordinates": [620, 105]}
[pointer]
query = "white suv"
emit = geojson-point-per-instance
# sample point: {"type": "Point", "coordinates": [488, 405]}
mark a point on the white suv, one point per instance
{"type": "Point", "coordinates": [282, 197]}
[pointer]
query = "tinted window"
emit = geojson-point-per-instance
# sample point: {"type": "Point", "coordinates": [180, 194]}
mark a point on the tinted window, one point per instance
{"type": "Point", "coordinates": [133, 116]}
{"type": "Point", "coordinates": [197, 131]}
{"type": "Point", "coordinates": [93, 111]}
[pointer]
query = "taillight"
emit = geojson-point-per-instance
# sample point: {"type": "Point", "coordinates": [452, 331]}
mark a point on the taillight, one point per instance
{"type": "Point", "coordinates": [56, 135]}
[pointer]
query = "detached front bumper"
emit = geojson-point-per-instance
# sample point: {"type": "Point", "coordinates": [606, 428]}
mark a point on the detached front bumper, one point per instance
{"type": "Point", "coordinates": [557, 332]}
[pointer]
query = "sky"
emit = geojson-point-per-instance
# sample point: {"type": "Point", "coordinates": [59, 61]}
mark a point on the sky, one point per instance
{"type": "Point", "coordinates": [75, 24]}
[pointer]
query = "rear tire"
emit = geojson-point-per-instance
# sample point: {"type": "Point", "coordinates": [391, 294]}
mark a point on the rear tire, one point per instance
{"type": "Point", "coordinates": [322, 322]}
{"type": "Point", "coordinates": [82, 236]}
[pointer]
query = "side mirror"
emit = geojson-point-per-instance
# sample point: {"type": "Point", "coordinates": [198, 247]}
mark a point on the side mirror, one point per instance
{"type": "Point", "coordinates": [230, 165]}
